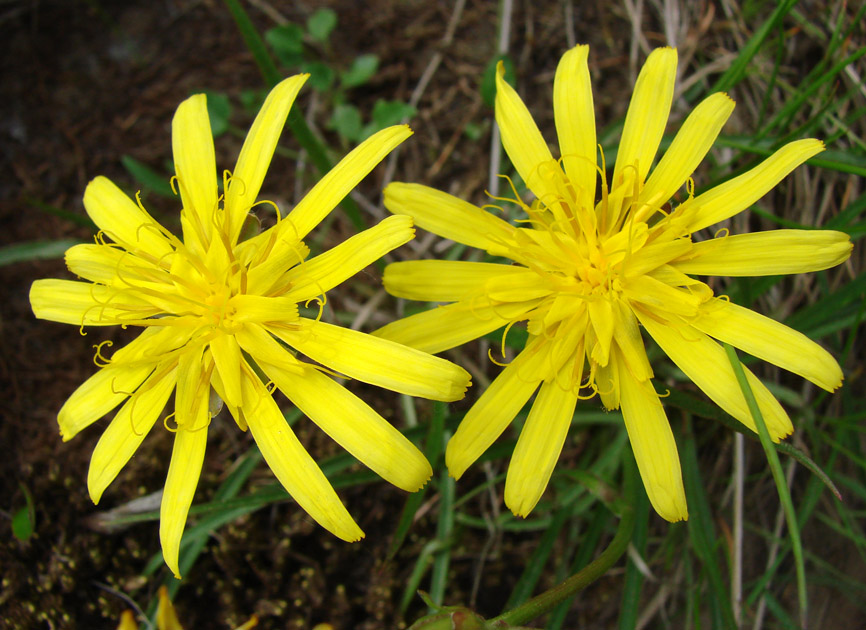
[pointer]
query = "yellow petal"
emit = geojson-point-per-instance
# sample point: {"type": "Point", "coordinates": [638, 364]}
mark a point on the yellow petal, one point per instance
{"type": "Point", "coordinates": [737, 194]}
{"type": "Point", "coordinates": [120, 218]}
{"type": "Point", "coordinates": [257, 152]}
{"type": "Point", "coordinates": [575, 122]}
{"type": "Point", "coordinates": [257, 308]}
{"type": "Point", "coordinates": [538, 447]}
{"type": "Point", "coordinates": [769, 340]}
{"type": "Point", "coordinates": [227, 358]}
{"type": "Point", "coordinates": [645, 123]}
{"type": "Point", "coordinates": [261, 345]}
{"type": "Point", "coordinates": [356, 427]}
{"type": "Point", "coordinates": [341, 179]}
{"type": "Point", "coordinates": [523, 141]}
{"type": "Point", "coordinates": [127, 431]}
{"type": "Point", "coordinates": [706, 364]}
{"type": "Point", "coordinates": [86, 304]}
{"type": "Point", "coordinates": [449, 326]}
{"type": "Point", "coordinates": [520, 285]}
{"type": "Point", "coordinates": [292, 464]}
{"type": "Point", "coordinates": [495, 409]}
{"type": "Point", "coordinates": [602, 318]}
{"type": "Point", "coordinates": [192, 388]}
{"type": "Point", "coordinates": [770, 253]}
{"type": "Point", "coordinates": [322, 273]}
{"type": "Point", "coordinates": [98, 263]}
{"type": "Point", "coordinates": [652, 442]}
{"type": "Point", "coordinates": [166, 617]}
{"type": "Point", "coordinates": [187, 456]}
{"type": "Point", "coordinates": [195, 165]}
{"type": "Point", "coordinates": [688, 148]}
{"type": "Point", "coordinates": [127, 621]}
{"type": "Point", "coordinates": [448, 216]}
{"type": "Point", "coordinates": [378, 361]}
{"type": "Point", "coordinates": [98, 395]}
{"type": "Point", "coordinates": [661, 296]}
{"type": "Point", "coordinates": [629, 341]}
{"type": "Point", "coordinates": [442, 280]}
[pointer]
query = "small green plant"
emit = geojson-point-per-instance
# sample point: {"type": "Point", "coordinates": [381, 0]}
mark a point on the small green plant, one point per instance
{"type": "Point", "coordinates": [305, 49]}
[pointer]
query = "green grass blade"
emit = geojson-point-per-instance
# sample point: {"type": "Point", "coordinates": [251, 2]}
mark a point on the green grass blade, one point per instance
{"type": "Point", "coordinates": [778, 477]}
{"type": "Point", "coordinates": [34, 250]}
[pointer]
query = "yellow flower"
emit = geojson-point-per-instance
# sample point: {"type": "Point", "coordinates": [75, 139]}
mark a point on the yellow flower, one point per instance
{"type": "Point", "coordinates": [221, 314]}
{"type": "Point", "coordinates": [166, 616]}
{"type": "Point", "coordinates": [591, 264]}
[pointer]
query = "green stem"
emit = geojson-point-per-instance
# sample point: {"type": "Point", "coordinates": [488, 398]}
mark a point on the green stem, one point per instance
{"type": "Point", "coordinates": [300, 129]}
{"type": "Point", "coordinates": [778, 477]}
{"type": "Point", "coordinates": [548, 600]}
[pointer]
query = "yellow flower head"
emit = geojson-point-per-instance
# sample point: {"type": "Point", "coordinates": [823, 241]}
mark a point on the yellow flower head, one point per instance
{"type": "Point", "coordinates": [592, 263]}
{"type": "Point", "coordinates": [220, 318]}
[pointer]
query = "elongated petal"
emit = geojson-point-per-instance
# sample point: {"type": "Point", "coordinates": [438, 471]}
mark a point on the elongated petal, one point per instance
{"type": "Point", "coordinates": [770, 253]}
{"type": "Point", "coordinates": [101, 263]}
{"type": "Point", "coordinates": [450, 326]}
{"type": "Point", "coordinates": [327, 270]}
{"type": "Point", "coordinates": [85, 304]}
{"type": "Point", "coordinates": [257, 152]}
{"type": "Point", "coordinates": [192, 388]}
{"type": "Point", "coordinates": [629, 341]}
{"type": "Point", "coordinates": [292, 464]}
{"type": "Point", "coordinates": [120, 218]}
{"type": "Point", "coordinates": [355, 427]}
{"type": "Point", "coordinates": [689, 146]}
{"type": "Point", "coordinates": [523, 141]}
{"type": "Point", "coordinates": [769, 340]}
{"type": "Point", "coordinates": [647, 116]}
{"type": "Point", "coordinates": [706, 364]}
{"type": "Point", "coordinates": [341, 179]}
{"type": "Point", "coordinates": [378, 361]}
{"type": "Point", "coordinates": [442, 280]}
{"type": "Point", "coordinates": [184, 470]}
{"type": "Point", "coordinates": [195, 165]}
{"type": "Point", "coordinates": [447, 216]}
{"type": "Point", "coordinates": [653, 445]}
{"type": "Point", "coordinates": [538, 447]}
{"type": "Point", "coordinates": [264, 348]}
{"type": "Point", "coordinates": [575, 122]}
{"type": "Point", "coordinates": [227, 358]}
{"type": "Point", "coordinates": [495, 409]}
{"type": "Point", "coordinates": [98, 395]}
{"type": "Point", "coordinates": [127, 430]}
{"type": "Point", "coordinates": [737, 194]}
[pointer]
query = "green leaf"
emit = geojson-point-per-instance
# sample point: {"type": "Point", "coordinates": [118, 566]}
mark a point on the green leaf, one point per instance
{"type": "Point", "coordinates": [346, 121]}
{"type": "Point", "coordinates": [24, 520]}
{"type": "Point", "coordinates": [321, 74]}
{"type": "Point", "coordinates": [219, 109]}
{"type": "Point", "coordinates": [362, 68]}
{"type": "Point", "coordinates": [387, 113]}
{"type": "Point", "coordinates": [34, 250]}
{"type": "Point", "coordinates": [147, 177]}
{"type": "Point", "coordinates": [488, 79]}
{"type": "Point", "coordinates": [287, 42]}
{"type": "Point", "coordinates": [321, 23]}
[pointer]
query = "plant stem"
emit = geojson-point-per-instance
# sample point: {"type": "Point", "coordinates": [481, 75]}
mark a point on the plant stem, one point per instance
{"type": "Point", "coordinates": [548, 600]}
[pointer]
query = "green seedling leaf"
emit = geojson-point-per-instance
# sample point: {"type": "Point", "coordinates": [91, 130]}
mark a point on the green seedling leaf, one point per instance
{"type": "Point", "coordinates": [219, 109]}
{"type": "Point", "coordinates": [147, 177]}
{"type": "Point", "coordinates": [488, 79]}
{"type": "Point", "coordinates": [252, 100]}
{"type": "Point", "coordinates": [287, 42]}
{"type": "Point", "coordinates": [360, 71]}
{"type": "Point", "coordinates": [24, 520]}
{"type": "Point", "coordinates": [34, 250]}
{"type": "Point", "coordinates": [321, 23]}
{"type": "Point", "coordinates": [387, 113]}
{"type": "Point", "coordinates": [321, 74]}
{"type": "Point", "coordinates": [346, 121]}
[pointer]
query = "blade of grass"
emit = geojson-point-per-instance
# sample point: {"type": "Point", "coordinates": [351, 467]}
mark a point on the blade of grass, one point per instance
{"type": "Point", "coordinates": [628, 610]}
{"type": "Point", "coordinates": [702, 533]}
{"type": "Point", "coordinates": [778, 477]}
{"type": "Point", "coordinates": [34, 250]}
